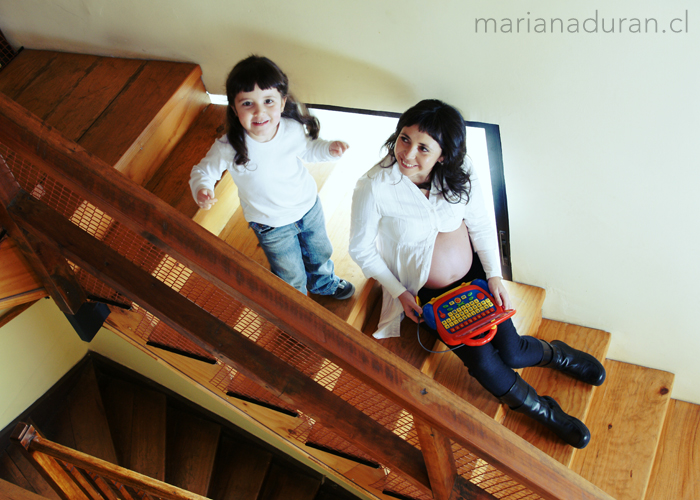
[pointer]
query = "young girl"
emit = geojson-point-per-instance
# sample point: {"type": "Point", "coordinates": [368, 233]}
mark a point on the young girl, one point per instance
{"type": "Point", "coordinates": [268, 135]}
{"type": "Point", "coordinates": [420, 228]}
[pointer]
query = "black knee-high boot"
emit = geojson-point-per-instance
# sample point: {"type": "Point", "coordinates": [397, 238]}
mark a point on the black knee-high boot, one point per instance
{"type": "Point", "coordinates": [577, 364]}
{"type": "Point", "coordinates": [523, 398]}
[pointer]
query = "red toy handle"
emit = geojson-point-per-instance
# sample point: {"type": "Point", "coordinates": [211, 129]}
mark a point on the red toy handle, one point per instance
{"type": "Point", "coordinates": [470, 341]}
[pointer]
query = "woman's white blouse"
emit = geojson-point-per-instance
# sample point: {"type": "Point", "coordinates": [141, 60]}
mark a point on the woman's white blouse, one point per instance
{"type": "Point", "coordinates": [393, 230]}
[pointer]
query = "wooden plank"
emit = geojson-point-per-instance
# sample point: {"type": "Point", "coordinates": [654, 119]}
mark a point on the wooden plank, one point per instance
{"type": "Point", "coordinates": [141, 126]}
{"type": "Point", "coordinates": [191, 450]}
{"type": "Point", "coordinates": [676, 471]}
{"type": "Point", "coordinates": [171, 182]}
{"type": "Point", "coordinates": [61, 75]}
{"type": "Point", "coordinates": [285, 484]}
{"type": "Point", "coordinates": [87, 100]}
{"type": "Point", "coordinates": [240, 471]}
{"type": "Point", "coordinates": [574, 397]}
{"type": "Point", "coordinates": [89, 420]}
{"type": "Point", "coordinates": [9, 491]}
{"type": "Point", "coordinates": [118, 400]}
{"type": "Point", "coordinates": [16, 277]}
{"type": "Point", "coordinates": [437, 451]}
{"type": "Point", "coordinates": [10, 472]}
{"type": "Point", "coordinates": [148, 434]}
{"type": "Point", "coordinates": [626, 418]}
{"type": "Point", "coordinates": [303, 319]}
{"type": "Point", "coordinates": [23, 69]}
{"type": "Point", "coordinates": [18, 303]}
{"type": "Point", "coordinates": [32, 476]}
{"type": "Point", "coordinates": [223, 342]}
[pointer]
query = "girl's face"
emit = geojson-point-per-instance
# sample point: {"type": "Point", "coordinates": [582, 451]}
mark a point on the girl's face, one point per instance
{"type": "Point", "coordinates": [416, 153]}
{"type": "Point", "coordinates": [259, 112]}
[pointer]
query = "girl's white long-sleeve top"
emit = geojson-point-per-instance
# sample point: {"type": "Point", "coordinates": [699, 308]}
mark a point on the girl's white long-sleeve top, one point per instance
{"type": "Point", "coordinates": [275, 188]}
{"type": "Point", "coordinates": [393, 230]}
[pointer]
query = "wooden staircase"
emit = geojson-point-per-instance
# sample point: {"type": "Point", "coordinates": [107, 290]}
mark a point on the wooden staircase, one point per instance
{"type": "Point", "coordinates": [115, 415]}
{"type": "Point", "coordinates": [644, 445]}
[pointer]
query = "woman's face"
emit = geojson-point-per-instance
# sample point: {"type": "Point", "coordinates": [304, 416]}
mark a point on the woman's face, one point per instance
{"type": "Point", "coordinates": [416, 153]}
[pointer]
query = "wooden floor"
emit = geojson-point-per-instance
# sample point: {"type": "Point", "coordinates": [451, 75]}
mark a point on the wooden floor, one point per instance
{"type": "Point", "coordinates": [644, 444]}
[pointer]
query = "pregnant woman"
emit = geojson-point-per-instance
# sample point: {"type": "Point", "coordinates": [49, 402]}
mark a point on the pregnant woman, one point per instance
{"type": "Point", "coordinates": [420, 228]}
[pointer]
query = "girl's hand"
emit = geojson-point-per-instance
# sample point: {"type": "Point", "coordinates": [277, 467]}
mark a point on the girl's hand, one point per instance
{"type": "Point", "coordinates": [206, 198]}
{"type": "Point", "coordinates": [410, 307]}
{"type": "Point", "coordinates": [337, 148]}
{"type": "Point", "coordinates": [499, 292]}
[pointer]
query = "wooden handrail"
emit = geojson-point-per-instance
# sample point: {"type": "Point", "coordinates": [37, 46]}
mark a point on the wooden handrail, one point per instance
{"type": "Point", "coordinates": [294, 313]}
{"type": "Point", "coordinates": [40, 451]}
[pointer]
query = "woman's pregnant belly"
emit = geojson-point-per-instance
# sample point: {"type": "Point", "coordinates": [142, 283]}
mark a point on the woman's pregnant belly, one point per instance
{"type": "Point", "coordinates": [452, 258]}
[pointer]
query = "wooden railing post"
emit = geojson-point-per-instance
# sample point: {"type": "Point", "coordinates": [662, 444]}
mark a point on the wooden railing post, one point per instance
{"type": "Point", "coordinates": [60, 480]}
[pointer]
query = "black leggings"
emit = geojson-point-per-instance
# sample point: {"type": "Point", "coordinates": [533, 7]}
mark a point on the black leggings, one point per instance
{"type": "Point", "coordinates": [492, 364]}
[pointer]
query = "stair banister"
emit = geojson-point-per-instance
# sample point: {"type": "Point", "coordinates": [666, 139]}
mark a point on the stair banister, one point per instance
{"type": "Point", "coordinates": [294, 313]}
{"type": "Point", "coordinates": [43, 453]}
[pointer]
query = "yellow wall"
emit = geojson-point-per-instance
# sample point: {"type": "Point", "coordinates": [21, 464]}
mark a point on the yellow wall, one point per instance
{"type": "Point", "coordinates": [598, 129]}
{"type": "Point", "coordinates": [36, 349]}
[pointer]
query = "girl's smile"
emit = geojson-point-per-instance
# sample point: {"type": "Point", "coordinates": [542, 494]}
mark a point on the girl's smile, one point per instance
{"type": "Point", "coordinates": [416, 153]}
{"type": "Point", "coordinates": [259, 112]}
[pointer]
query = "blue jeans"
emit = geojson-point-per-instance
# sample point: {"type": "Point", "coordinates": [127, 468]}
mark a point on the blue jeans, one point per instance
{"type": "Point", "coordinates": [300, 253]}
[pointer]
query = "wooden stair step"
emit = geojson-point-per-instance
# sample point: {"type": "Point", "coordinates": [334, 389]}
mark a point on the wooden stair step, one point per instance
{"type": "Point", "coordinates": [626, 419]}
{"type": "Point", "coordinates": [573, 396]}
{"type": "Point", "coordinates": [240, 471]}
{"type": "Point", "coordinates": [676, 471]}
{"type": "Point", "coordinates": [18, 282]}
{"type": "Point", "coordinates": [128, 112]}
{"type": "Point", "coordinates": [191, 449]}
{"type": "Point", "coordinates": [83, 424]}
{"type": "Point", "coordinates": [142, 125]}
{"type": "Point", "coordinates": [137, 417]}
{"type": "Point", "coordinates": [15, 468]}
{"type": "Point", "coordinates": [9, 491]}
{"type": "Point", "coordinates": [283, 483]}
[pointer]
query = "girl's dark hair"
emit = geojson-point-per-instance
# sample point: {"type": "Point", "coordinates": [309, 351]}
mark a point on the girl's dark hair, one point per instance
{"type": "Point", "coordinates": [446, 126]}
{"type": "Point", "coordinates": [260, 71]}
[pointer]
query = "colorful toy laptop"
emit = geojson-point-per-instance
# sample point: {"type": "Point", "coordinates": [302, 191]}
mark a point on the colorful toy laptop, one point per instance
{"type": "Point", "coordinates": [467, 314]}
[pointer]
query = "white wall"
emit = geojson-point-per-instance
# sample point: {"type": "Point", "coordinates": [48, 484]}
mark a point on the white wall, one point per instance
{"type": "Point", "coordinates": [598, 129]}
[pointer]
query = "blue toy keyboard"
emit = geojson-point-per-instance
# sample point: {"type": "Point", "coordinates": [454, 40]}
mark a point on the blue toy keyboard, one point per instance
{"type": "Point", "coordinates": [466, 314]}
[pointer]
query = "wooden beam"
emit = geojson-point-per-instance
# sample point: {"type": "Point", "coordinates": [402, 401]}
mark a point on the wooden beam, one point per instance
{"type": "Point", "coordinates": [293, 312]}
{"type": "Point", "coordinates": [439, 459]}
{"type": "Point", "coordinates": [15, 311]}
{"type": "Point", "coordinates": [219, 339]}
{"type": "Point", "coordinates": [53, 271]}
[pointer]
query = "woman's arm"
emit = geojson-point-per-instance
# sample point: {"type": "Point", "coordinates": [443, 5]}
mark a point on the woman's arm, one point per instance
{"type": "Point", "coordinates": [364, 231]}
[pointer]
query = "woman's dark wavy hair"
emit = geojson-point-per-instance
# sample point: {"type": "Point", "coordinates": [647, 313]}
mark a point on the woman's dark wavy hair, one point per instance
{"type": "Point", "coordinates": [446, 126]}
{"type": "Point", "coordinates": [256, 70]}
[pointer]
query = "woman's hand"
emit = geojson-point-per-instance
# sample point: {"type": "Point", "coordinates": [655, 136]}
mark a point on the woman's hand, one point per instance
{"type": "Point", "coordinates": [337, 148]}
{"type": "Point", "coordinates": [410, 307]}
{"type": "Point", "coordinates": [499, 292]}
{"type": "Point", "coordinates": [206, 198]}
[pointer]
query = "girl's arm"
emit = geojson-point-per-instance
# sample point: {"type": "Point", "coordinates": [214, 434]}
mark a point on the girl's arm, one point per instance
{"type": "Point", "coordinates": [207, 172]}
